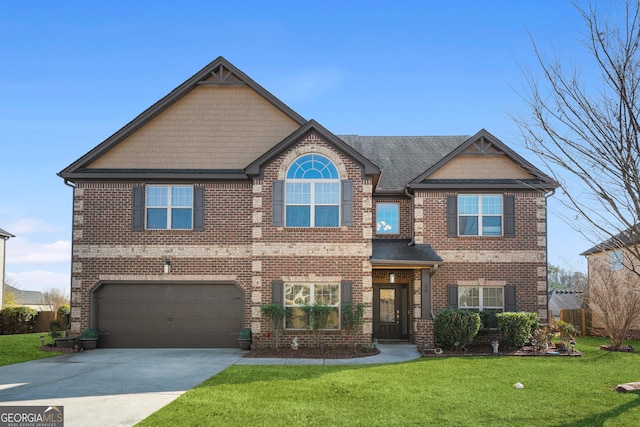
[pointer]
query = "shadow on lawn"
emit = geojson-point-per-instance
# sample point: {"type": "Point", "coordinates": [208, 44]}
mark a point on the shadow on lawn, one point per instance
{"type": "Point", "coordinates": [600, 420]}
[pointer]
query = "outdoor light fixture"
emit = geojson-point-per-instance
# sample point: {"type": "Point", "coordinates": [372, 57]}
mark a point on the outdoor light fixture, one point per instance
{"type": "Point", "coordinates": [392, 278]}
{"type": "Point", "coordinates": [41, 339]}
{"type": "Point", "coordinates": [167, 267]}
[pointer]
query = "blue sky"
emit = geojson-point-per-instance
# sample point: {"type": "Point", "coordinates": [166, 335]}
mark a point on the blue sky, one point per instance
{"type": "Point", "coordinates": [72, 73]}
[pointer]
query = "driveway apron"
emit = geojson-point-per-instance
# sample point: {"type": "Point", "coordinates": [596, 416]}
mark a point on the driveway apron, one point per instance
{"type": "Point", "coordinates": [111, 387]}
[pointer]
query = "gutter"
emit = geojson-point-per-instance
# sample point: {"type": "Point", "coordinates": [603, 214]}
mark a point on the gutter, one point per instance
{"type": "Point", "coordinates": [546, 255]}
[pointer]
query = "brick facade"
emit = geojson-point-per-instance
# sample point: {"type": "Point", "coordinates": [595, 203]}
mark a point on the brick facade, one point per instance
{"type": "Point", "coordinates": [240, 244]}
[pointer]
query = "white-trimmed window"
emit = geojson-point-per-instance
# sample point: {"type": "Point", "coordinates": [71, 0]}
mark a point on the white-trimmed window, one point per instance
{"type": "Point", "coordinates": [615, 260]}
{"type": "Point", "coordinates": [387, 218]}
{"type": "Point", "coordinates": [481, 298]}
{"type": "Point", "coordinates": [312, 193]}
{"type": "Point", "coordinates": [169, 207]}
{"type": "Point", "coordinates": [480, 215]}
{"type": "Point", "coordinates": [298, 295]}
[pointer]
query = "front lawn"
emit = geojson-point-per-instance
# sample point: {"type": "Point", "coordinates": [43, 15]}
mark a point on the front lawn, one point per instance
{"type": "Point", "coordinates": [460, 391]}
{"type": "Point", "coordinates": [21, 348]}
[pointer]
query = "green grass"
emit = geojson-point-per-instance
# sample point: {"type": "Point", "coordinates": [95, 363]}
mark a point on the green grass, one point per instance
{"type": "Point", "coordinates": [464, 391]}
{"type": "Point", "coordinates": [21, 348]}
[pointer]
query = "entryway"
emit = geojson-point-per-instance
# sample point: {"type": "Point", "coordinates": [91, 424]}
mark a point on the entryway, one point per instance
{"type": "Point", "coordinates": [390, 311]}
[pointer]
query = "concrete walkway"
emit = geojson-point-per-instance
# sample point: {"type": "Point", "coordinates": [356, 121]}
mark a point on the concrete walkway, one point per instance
{"type": "Point", "coordinates": [120, 387]}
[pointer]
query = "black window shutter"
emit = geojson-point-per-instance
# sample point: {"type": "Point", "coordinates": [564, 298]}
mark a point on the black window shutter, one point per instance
{"type": "Point", "coordinates": [138, 209]}
{"type": "Point", "coordinates": [346, 204]}
{"type": "Point", "coordinates": [509, 216]}
{"type": "Point", "coordinates": [510, 303]}
{"type": "Point", "coordinates": [346, 295]}
{"type": "Point", "coordinates": [277, 292]}
{"type": "Point", "coordinates": [452, 296]}
{"type": "Point", "coordinates": [198, 209]}
{"type": "Point", "coordinates": [452, 216]}
{"type": "Point", "coordinates": [425, 300]}
{"type": "Point", "coordinates": [277, 203]}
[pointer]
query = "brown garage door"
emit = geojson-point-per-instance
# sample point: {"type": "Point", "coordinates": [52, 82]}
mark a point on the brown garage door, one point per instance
{"type": "Point", "coordinates": [169, 315]}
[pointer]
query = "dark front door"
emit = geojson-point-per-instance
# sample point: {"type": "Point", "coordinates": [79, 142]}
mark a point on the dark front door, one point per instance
{"type": "Point", "coordinates": [390, 316]}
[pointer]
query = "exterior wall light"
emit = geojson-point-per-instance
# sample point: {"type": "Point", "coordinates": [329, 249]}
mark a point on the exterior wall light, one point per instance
{"type": "Point", "coordinates": [167, 267]}
{"type": "Point", "coordinates": [392, 278]}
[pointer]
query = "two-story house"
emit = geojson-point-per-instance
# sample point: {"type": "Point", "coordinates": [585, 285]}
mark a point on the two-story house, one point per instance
{"type": "Point", "coordinates": [219, 199]}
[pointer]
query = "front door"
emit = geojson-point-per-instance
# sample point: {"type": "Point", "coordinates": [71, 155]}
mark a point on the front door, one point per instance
{"type": "Point", "coordinates": [390, 316]}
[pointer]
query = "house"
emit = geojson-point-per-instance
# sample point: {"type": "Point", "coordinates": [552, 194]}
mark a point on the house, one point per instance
{"type": "Point", "coordinates": [564, 299]}
{"type": "Point", "coordinates": [219, 199]}
{"type": "Point", "coordinates": [31, 299]}
{"type": "Point", "coordinates": [4, 236]}
{"type": "Point", "coordinates": [611, 266]}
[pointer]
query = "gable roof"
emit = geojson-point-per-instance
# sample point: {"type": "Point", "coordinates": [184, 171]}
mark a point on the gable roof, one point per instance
{"type": "Point", "coordinates": [402, 158]}
{"type": "Point", "coordinates": [26, 297]}
{"type": "Point", "coordinates": [218, 72]}
{"type": "Point", "coordinates": [619, 241]}
{"type": "Point", "coordinates": [5, 234]}
{"type": "Point", "coordinates": [565, 299]}
{"type": "Point", "coordinates": [481, 143]}
{"type": "Point", "coordinates": [368, 167]}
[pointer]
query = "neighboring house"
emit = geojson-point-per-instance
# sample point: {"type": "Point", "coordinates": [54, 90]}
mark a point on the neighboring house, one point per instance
{"type": "Point", "coordinates": [4, 236]}
{"type": "Point", "coordinates": [564, 299]}
{"type": "Point", "coordinates": [219, 199]}
{"type": "Point", "coordinates": [613, 260]}
{"type": "Point", "coordinates": [31, 299]}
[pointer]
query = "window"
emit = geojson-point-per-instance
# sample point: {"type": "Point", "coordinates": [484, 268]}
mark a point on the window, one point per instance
{"type": "Point", "coordinates": [298, 295]}
{"type": "Point", "coordinates": [312, 193]}
{"type": "Point", "coordinates": [478, 298]}
{"type": "Point", "coordinates": [615, 260]}
{"type": "Point", "coordinates": [387, 218]}
{"type": "Point", "coordinates": [169, 207]}
{"type": "Point", "coordinates": [480, 215]}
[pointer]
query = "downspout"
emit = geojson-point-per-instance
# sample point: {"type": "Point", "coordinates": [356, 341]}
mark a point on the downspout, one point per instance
{"type": "Point", "coordinates": [73, 196]}
{"type": "Point", "coordinates": [409, 195]}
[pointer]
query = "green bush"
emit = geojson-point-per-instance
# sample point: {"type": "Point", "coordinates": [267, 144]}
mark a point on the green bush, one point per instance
{"type": "Point", "coordinates": [275, 315]}
{"type": "Point", "coordinates": [18, 320]}
{"type": "Point", "coordinates": [535, 321]}
{"type": "Point", "coordinates": [454, 329]}
{"type": "Point", "coordinates": [245, 334]}
{"type": "Point", "coordinates": [56, 329]}
{"type": "Point", "coordinates": [62, 314]}
{"type": "Point", "coordinates": [514, 328]}
{"type": "Point", "coordinates": [90, 333]}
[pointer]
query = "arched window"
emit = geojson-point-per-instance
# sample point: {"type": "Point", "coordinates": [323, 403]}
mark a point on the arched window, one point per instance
{"type": "Point", "coordinates": [312, 193]}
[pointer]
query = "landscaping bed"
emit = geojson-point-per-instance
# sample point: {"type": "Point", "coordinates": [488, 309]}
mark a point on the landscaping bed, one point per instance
{"type": "Point", "coordinates": [487, 350]}
{"type": "Point", "coordinates": [326, 352]}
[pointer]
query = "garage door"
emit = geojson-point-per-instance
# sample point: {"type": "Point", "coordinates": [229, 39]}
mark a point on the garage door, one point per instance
{"type": "Point", "coordinates": [169, 315]}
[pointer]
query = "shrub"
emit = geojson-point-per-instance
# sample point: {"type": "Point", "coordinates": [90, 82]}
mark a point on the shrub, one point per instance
{"type": "Point", "coordinates": [535, 321]}
{"type": "Point", "coordinates": [514, 328]}
{"type": "Point", "coordinates": [317, 316]}
{"type": "Point", "coordinates": [275, 315]}
{"type": "Point", "coordinates": [90, 333]}
{"type": "Point", "coordinates": [245, 334]}
{"type": "Point", "coordinates": [56, 329]}
{"type": "Point", "coordinates": [454, 329]}
{"type": "Point", "coordinates": [18, 319]}
{"type": "Point", "coordinates": [62, 314]}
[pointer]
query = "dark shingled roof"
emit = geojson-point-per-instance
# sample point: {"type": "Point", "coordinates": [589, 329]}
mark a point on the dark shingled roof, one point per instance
{"type": "Point", "coordinates": [564, 299]}
{"type": "Point", "coordinates": [403, 158]}
{"type": "Point", "coordinates": [620, 240]}
{"type": "Point", "coordinates": [398, 251]}
{"type": "Point", "coordinates": [26, 297]}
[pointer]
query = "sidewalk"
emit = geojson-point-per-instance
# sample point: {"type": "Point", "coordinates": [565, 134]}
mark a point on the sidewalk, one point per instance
{"type": "Point", "coordinates": [389, 353]}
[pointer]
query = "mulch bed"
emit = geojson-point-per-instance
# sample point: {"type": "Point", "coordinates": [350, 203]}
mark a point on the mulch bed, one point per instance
{"type": "Point", "coordinates": [327, 352]}
{"type": "Point", "coordinates": [487, 350]}
{"type": "Point", "coordinates": [622, 348]}
{"type": "Point", "coordinates": [53, 348]}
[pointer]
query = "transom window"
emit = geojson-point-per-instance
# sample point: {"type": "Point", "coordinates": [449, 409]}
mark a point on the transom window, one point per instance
{"type": "Point", "coordinates": [387, 218]}
{"type": "Point", "coordinates": [480, 215]}
{"type": "Point", "coordinates": [169, 207]}
{"type": "Point", "coordinates": [312, 193]}
{"type": "Point", "coordinates": [298, 295]}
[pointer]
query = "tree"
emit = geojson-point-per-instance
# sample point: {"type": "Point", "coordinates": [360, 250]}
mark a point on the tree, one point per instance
{"type": "Point", "coordinates": [614, 298]}
{"type": "Point", "coordinates": [560, 278]}
{"type": "Point", "coordinates": [54, 297]}
{"type": "Point", "coordinates": [586, 129]}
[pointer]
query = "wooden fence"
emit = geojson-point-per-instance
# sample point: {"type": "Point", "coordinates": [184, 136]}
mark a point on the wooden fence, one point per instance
{"type": "Point", "coordinates": [580, 318]}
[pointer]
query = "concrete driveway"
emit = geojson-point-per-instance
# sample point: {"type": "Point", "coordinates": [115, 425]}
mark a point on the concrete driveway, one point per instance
{"type": "Point", "coordinates": [111, 387]}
